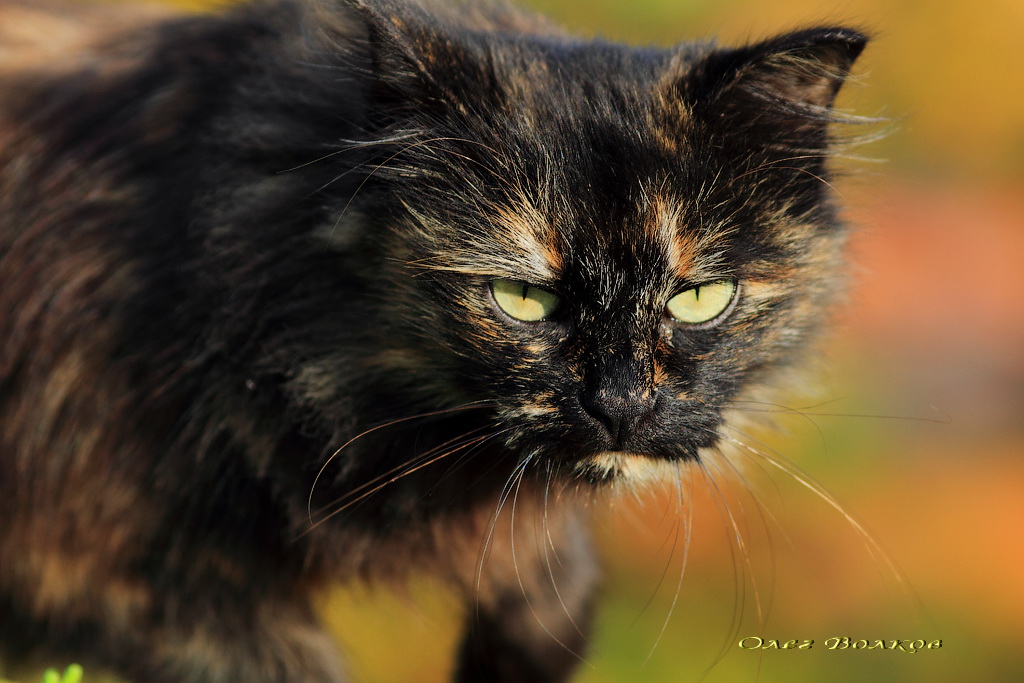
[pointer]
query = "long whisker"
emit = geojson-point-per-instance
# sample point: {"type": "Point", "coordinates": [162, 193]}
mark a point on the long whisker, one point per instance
{"type": "Point", "coordinates": [674, 536]}
{"type": "Point", "coordinates": [549, 549]}
{"type": "Point", "coordinates": [519, 576]}
{"type": "Point", "coordinates": [762, 510]}
{"type": "Point", "coordinates": [874, 548]}
{"type": "Point", "coordinates": [485, 549]}
{"type": "Point", "coordinates": [466, 456]}
{"type": "Point", "coordinates": [810, 411]}
{"type": "Point", "coordinates": [420, 465]}
{"type": "Point", "coordinates": [810, 484]}
{"type": "Point", "coordinates": [684, 518]}
{"type": "Point", "coordinates": [353, 145]}
{"type": "Point", "coordinates": [775, 163]}
{"type": "Point", "coordinates": [764, 608]}
{"type": "Point", "coordinates": [741, 546]}
{"type": "Point", "coordinates": [420, 457]}
{"type": "Point", "coordinates": [433, 413]}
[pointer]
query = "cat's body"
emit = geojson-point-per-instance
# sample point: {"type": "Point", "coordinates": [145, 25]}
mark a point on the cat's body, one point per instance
{"type": "Point", "coordinates": [253, 339]}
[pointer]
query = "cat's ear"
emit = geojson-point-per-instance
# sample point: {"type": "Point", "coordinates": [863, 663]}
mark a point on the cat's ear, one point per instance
{"type": "Point", "coordinates": [403, 52]}
{"type": "Point", "coordinates": [787, 84]}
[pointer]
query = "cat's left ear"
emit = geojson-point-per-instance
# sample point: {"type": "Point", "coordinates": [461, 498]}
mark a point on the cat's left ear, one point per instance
{"type": "Point", "coordinates": [788, 83]}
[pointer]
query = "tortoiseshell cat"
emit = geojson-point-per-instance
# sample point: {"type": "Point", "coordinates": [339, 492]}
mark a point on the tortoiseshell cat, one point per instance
{"type": "Point", "coordinates": [311, 292]}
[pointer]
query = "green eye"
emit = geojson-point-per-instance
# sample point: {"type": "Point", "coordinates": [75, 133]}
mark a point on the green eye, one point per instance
{"type": "Point", "coordinates": [522, 301]}
{"type": "Point", "coordinates": [702, 304]}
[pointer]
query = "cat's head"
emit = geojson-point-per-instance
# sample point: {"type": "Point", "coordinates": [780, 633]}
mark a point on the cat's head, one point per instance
{"type": "Point", "coordinates": [608, 245]}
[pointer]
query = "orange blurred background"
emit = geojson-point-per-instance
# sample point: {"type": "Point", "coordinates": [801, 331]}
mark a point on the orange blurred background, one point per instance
{"type": "Point", "coordinates": [921, 439]}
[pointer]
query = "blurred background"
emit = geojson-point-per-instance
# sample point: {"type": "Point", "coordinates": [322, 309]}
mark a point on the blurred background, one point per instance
{"type": "Point", "coordinates": [918, 444]}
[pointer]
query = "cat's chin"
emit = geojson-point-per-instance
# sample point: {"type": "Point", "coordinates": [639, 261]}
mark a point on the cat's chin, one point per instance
{"type": "Point", "coordinates": [629, 467]}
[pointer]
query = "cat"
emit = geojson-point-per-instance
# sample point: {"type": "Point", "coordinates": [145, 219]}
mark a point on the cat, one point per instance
{"type": "Point", "coordinates": [314, 292]}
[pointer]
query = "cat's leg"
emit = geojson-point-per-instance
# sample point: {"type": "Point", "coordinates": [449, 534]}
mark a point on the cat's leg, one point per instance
{"type": "Point", "coordinates": [530, 601]}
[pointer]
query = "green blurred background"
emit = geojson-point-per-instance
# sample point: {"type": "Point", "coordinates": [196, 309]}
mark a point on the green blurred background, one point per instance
{"type": "Point", "coordinates": [923, 437]}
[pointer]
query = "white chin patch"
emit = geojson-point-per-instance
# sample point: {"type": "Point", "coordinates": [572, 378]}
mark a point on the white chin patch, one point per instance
{"type": "Point", "coordinates": [632, 468]}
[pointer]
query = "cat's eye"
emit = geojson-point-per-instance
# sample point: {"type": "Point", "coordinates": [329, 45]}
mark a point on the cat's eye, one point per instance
{"type": "Point", "coordinates": [702, 304]}
{"type": "Point", "coordinates": [523, 301]}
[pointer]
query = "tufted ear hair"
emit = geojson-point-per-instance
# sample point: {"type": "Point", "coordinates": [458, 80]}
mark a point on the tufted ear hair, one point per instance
{"type": "Point", "coordinates": [784, 87]}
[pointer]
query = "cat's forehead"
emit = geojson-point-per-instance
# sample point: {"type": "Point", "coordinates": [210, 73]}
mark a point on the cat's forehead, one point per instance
{"type": "Point", "coordinates": [658, 240]}
{"type": "Point", "coordinates": [575, 165]}
{"type": "Point", "coordinates": [593, 208]}
{"type": "Point", "coordinates": [601, 185]}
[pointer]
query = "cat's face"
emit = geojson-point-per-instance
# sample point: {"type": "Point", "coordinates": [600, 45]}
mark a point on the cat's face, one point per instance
{"type": "Point", "coordinates": [612, 246]}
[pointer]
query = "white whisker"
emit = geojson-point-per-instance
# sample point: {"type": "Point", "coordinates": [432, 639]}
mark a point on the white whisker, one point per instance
{"type": "Point", "coordinates": [810, 484]}
{"type": "Point", "coordinates": [432, 413]}
{"type": "Point", "coordinates": [684, 518]}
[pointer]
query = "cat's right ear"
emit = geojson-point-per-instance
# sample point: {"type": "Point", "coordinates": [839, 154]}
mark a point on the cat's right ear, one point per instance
{"type": "Point", "coordinates": [785, 87]}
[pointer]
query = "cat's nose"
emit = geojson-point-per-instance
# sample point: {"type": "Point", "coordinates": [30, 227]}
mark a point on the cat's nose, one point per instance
{"type": "Point", "coordinates": [619, 414]}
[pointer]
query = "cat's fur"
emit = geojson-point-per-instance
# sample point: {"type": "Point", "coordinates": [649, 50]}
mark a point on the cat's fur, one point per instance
{"type": "Point", "coordinates": [247, 344]}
